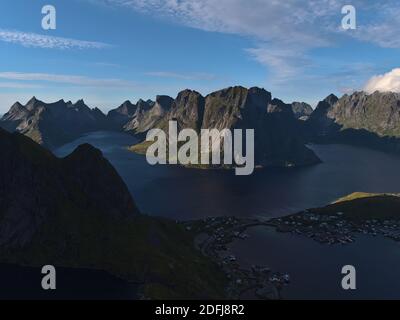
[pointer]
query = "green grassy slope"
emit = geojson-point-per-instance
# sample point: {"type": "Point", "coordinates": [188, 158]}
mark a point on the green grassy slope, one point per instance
{"type": "Point", "coordinates": [360, 206]}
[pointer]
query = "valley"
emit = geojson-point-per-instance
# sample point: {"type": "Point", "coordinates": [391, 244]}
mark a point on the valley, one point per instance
{"type": "Point", "coordinates": [249, 221]}
{"type": "Point", "coordinates": [221, 208]}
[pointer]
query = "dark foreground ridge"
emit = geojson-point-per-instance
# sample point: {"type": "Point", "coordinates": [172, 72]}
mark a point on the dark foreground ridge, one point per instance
{"type": "Point", "coordinates": [77, 212]}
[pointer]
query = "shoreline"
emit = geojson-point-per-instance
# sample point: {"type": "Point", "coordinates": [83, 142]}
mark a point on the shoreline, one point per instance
{"type": "Point", "coordinates": [214, 235]}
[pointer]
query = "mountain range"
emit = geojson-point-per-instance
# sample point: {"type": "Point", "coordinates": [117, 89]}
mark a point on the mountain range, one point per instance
{"type": "Point", "coordinates": [77, 212]}
{"type": "Point", "coordinates": [281, 130]}
{"type": "Point", "coordinates": [302, 110]}
{"type": "Point", "coordinates": [371, 120]}
{"type": "Point", "coordinates": [53, 124]}
{"type": "Point", "coordinates": [278, 141]}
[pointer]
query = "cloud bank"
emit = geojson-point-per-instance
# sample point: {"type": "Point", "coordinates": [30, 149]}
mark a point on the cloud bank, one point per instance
{"type": "Point", "coordinates": [41, 41]}
{"type": "Point", "coordinates": [284, 32]}
{"type": "Point", "coordinates": [66, 79]}
{"type": "Point", "coordinates": [387, 82]}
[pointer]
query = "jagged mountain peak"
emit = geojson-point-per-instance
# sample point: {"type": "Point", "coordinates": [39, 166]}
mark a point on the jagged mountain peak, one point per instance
{"type": "Point", "coordinates": [277, 105]}
{"type": "Point", "coordinates": [127, 103]}
{"type": "Point", "coordinates": [33, 100]}
{"type": "Point", "coordinates": [34, 103]}
{"type": "Point", "coordinates": [142, 102]}
{"type": "Point", "coordinates": [229, 91]}
{"type": "Point", "coordinates": [80, 103]}
{"type": "Point", "coordinates": [258, 90]}
{"type": "Point", "coordinates": [53, 124]}
{"type": "Point", "coordinates": [302, 110]}
{"type": "Point", "coordinates": [358, 118]}
{"type": "Point", "coordinates": [331, 99]}
{"type": "Point", "coordinates": [188, 92]}
{"type": "Point", "coordinates": [43, 186]}
{"type": "Point", "coordinates": [86, 151]}
{"type": "Point", "coordinates": [16, 106]}
{"type": "Point", "coordinates": [165, 101]}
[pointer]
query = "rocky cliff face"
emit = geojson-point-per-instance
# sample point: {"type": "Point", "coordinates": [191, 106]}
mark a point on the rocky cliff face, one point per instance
{"type": "Point", "coordinates": [319, 124]}
{"type": "Point", "coordinates": [187, 110]}
{"type": "Point", "coordinates": [377, 113]}
{"type": "Point", "coordinates": [148, 114]}
{"type": "Point", "coordinates": [301, 110]}
{"type": "Point", "coordinates": [53, 124]}
{"type": "Point", "coordinates": [35, 186]}
{"type": "Point", "coordinates": [371, 120]}
{"type": "Point", "coordinates": [278, 141]}
{"type": "Point", "coordinates": [121, 115]}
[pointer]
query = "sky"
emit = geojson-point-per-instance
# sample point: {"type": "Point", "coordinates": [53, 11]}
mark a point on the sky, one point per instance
{"type": "Point", "coordinates": [109, 51]}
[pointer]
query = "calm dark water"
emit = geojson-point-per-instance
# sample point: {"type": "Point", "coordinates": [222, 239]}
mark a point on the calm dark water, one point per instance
{"type": "Point", "coordinates": [180, 193]}
{"type": "Point", "coordinates": [315, 269]}
{"type": "Point", "coordinates": [76, 284]}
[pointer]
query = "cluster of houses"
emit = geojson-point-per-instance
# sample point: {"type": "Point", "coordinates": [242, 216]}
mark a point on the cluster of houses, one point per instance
{"type": "Point", "coordinates": [335, 228]}
{"type": "Point", "coordinates": [221, 232]}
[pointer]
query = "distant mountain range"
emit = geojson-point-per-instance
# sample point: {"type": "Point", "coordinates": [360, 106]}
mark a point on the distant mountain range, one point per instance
{"type": "Point", "coordinates": [53, 124]}
{"type": "Point", "coordinates": [302, 110]}
{"type": "Point", "coordinates": [371, 120]}
{"type": "Point", "coordinates": [77, 212]}
{"type": "Point", "coordinates": [278, 141]}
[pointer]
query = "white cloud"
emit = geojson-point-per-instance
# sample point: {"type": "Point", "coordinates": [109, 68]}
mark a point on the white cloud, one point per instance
{"type": "Point", "coordinates": [180, 76]}
{"type": "Point", "coordinates": [285, 63]}
{"type": "Point", "coordinates": [16, 85]}
{"type": "Point", "coordinates": [284, 32]}
{"type": "Point", "coordinates": [385, 34]}
{"type": "Point", "coordinates": [387, 82]}
{"type": "Point", "coordinates": [42, 41]}
{"type": "Point", "coordinates": [66, 79]}
{"type": "Point", "coordinates": [382, 28]}
{"type": "Point", "coordinates": [291, 21]}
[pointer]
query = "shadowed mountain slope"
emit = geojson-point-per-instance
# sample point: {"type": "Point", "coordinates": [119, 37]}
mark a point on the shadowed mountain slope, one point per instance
{"type": "Point", "coordinates": [77, 212]}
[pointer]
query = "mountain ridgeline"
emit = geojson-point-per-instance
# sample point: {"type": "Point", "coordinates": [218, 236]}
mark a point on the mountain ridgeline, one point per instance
{"type": "Point", "coordinates": [278, 138]}
{"type": "Point", "coordinates": [370, 120]}
{"type": "Point", "coordinates": [281, 130]}
{"type": "Point", "coordinates": [302, 110]}
{"type": "Point", "coordinates": [53, 124]}
{"type": "Point", "coordinates": [35, 185]}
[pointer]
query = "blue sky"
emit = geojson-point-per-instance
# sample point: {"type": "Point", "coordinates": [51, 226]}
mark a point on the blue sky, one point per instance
{"type": "Point", "coordinates": [108, 51]}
